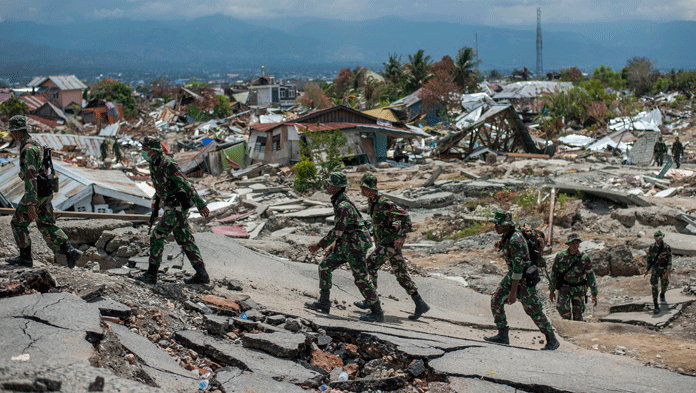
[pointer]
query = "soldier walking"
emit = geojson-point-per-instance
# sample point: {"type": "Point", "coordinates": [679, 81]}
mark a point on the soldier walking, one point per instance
{"type": "Point", "coordinates": [390, 223]}
{"type": "Point", "coordinates": [177, 194]}
{"type": "Point", "coordinates": [32, 207]}
{"type": "Point", "coordinates": [348, 241]}
{"type": "Point", "coordinates": [677, 151]}
{"type": "Point", "coordinates": [659, 151]}
{"type": "Point", "coordinates": [660, 263]}
{"type": "Point", "coordinates": [571, 275]}
{"type": "Point", "coordinates": [516, 254]}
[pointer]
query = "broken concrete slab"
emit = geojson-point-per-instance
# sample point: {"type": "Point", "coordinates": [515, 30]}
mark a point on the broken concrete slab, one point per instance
{"type": "Point", "coordinates": [478, 385]}
{"type": "Point", "coordinates": [681, 244]}
{"type": "Point", "coordinates": [674, 297]}
{"type": "Point", "coordinates": [155, 362]}
{"type": "Point", "coordinates": [539, 371]}
{"type": "Point", "coordinates": [234, 380]}
{"type": "Point", "coordinates": [225, 352]}
{"type": "Point", "coordinates": [217, 324]}
{"type": "Point", "coordinates": [430, 200]}
{"type": "Point", "coordinates": [646, 318]}
{"type": "Point", "coordinates": [283, 232]}
{"type": "Point", "coordinates": [370, 385]}
{"type": "Point", "coordinates": [667, 192]}
{"type": "Point", "coordinates": [313, 213]}
{"type": "Point", "coordinates": [614, 196]}
{"type": "Point", "coordinates": [279, 344]}
{"type": "Point", "coordinates": [111, 308]}
{"type": "Point", "coordinates": [19, 281]}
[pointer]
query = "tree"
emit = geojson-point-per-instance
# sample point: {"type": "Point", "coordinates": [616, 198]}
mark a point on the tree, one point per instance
{"type": "Point", "coordinates": [314, 97]}
{"type": "Point", "coordinates": [445, 65]}
{"type": "Point", "coordinates": [13, 106]}
{"type": "Point", "coordinates": [359, 77]}
{"type": "Point", "coordinates": [113, 90]}
{"type": "Point", "coordinates": [639, 75]}
{"type": "Point", "coordinates": [464, 73]}
{"type": "Point", "coordinates": [326, 149]}
{"type": "Point", "coordinates": [608, 77]}
{"type": "Point", "coordinates": [419, 71]}
{"type": "Point", "coordinates": [394, 70]}
{"type": "Point", "coordinates": [494, 75]}
{"type": "Point", "coordinates": [222, 108]}
{"type": "Point", "coordinates": [440, 92]}
{"type": "Point", "coordinates": [572, 74]}
{"type": "Point", "coordinates": [343, 82]}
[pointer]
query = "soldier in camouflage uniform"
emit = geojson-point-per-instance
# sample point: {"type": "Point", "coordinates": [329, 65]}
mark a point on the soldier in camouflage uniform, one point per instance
{"type": "Point", "coordinates": [571, 275]}
{"type": "Point", "coordinates": [660, 262]}
{"type": "Point", "coordinates": [390, 223]}
{"type": "Point", "coordinates": [677, 151]}
{"type": "Point", "coordinates": [516, 254]}
{"type": "Point", "coordinates": [348, 241]}
{"type": "Point", "coordinates": [659, 151]}
{"type": "Point", "coordinates": [176, 193]}
{"type": "Point", "coordinates": [31, 207]}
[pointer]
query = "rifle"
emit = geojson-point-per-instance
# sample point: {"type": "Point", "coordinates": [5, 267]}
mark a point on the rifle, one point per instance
{"type": "Point", "coordinates": [154, 214]}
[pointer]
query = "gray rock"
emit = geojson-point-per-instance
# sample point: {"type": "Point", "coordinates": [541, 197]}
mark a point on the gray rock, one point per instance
{"type": "Point", "coordinates": [293, 325]}
{"type": "Point", "coordinates": [90, 231]}
{"type": "Point", "coordinates": [110, 308]}
{"type": "Point", "coordinates": [243, 324]}
{"type": "Point", "coordinates": [234, 380]}
{"type": "Point", "coordinates": [217, 324]}
{"type": "Point", "coordinates": [365, 385]}
{"type": "Point", "coordinates": [280, 344]}
{"type": "Point", "coordinates": [416, 368]}
{"type": "Point", "coordinates": [249, 304]}
{"type": "Point", "coordinates": [235, 285]}
{"type": "Point", "coordinates": [255, 315]}
{"type": "Point", "coordinates": [324, 340]}
{"type": "Point", "coordinates": [275, 320]}
{"type": "Point", "coordinates": [615, 261]}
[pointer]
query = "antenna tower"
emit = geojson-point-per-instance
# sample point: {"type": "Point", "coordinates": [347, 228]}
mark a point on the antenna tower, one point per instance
{"type": "Point", "coordinates": [540, 63]}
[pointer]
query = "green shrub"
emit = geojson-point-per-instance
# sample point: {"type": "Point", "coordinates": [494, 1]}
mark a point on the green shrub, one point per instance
{"type": "Point", "coordinates": [472, 230]}
{"type": "Point", "coordinates": [527, 201]}
{"type": "Point", "coordinates": [306, 175]}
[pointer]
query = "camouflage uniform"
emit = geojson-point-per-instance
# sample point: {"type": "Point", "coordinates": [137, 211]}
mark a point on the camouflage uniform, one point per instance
{"type": "Point", "coordinates": [167, 180]}
{"type": "Point", "coordinates": [516, 254]}
{"type": "Point", "coordinates": [662, 260]}
{"type": "Point", "coordinates": [352, 242]}
{"type": "Point", "coordinates": [659, 151]}
{"type": "Point", "coordinates": [389, 223]}
{"type": "Point", "coordinates": [573, 289]}
{"type": "Point", "coordinates": [30, 165]}
{"type": "Point", "coordinates": [677, 151]}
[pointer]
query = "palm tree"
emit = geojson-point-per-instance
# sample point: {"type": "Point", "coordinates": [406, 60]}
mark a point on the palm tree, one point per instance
{"type": "Point", "coordinates": [463, 67]}
{"type": "Point", "coordinates": [393, 69]}
{"type": "Point", "coordinates": [419, 70]}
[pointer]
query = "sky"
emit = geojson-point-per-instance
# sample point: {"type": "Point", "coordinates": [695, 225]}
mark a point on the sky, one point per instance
{"type": "Point", "coordinates": [483, 12]}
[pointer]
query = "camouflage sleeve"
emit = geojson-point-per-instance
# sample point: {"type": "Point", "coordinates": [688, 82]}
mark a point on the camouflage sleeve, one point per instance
{"type": "Point", "coordinates": [651, 254]}
{"type": "Point", "coordinates": [400, 218]}
{"type": "Point", "coordinates": [668, 251]}
{"type": "Point", "coordinates": [31, 155]}
{"type": "Point", "coordinates": [344, 214]}
{"type": "Point", "coordinates": [182, 182]}
{"type": "Point", "coordinates": [589, 273]}
{"type": "Point", "coordinates": [554, 273]}
{"type": "Point", "coordinates": [519, 255]}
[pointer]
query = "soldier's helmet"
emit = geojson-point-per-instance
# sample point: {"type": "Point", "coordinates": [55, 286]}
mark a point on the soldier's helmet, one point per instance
{"type": "Point", "coordinates": [659, 235]}
{"type": "Point", "coordinates": [152, 143]}
{"type": "Point", "coordinates": [573, 237]}
{"type": "Point", "coordinates": [18, 123]}
{"type": "Point", "coordinates": [338, 179]}
{"type": "Point", "coordinates": [369, 181]}
{"type": "Point", "coordinates": [502, 218]}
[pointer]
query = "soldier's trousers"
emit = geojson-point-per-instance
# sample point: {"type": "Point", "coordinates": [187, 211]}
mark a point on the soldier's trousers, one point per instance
{"type": "Point", "coordinates": [182, 234]}
{"type": "Point", "coordinates": [677, 160]}
{"type": "Point", "coordinates": [530, 302]}
{"type": "Point", "coordinates": [352, 252]}
{"type": "Point", "coordinates": [571, 303]}
{"type": "Point", "coordinates": [658, 274]}
{"type": "Point", "coordinates": [387, 252]}
{"type": "Point", "coordinates": [659, 159]}
{"type": "Point", "coordinates": [46, 223]}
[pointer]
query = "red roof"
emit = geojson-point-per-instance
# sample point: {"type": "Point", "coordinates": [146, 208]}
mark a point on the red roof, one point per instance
{"type": "Point", "coordinates": [267, 127]}
{"type": "Point", "coordinates": [50, 123]}
{"type": "Point", "coordinates": [34, 102]}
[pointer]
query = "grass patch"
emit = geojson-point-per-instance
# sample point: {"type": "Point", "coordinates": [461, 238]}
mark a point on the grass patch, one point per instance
{"type": "Point", "coordinates": [527, 201]}
{"type": "Point", "coordinates": [475, 229]}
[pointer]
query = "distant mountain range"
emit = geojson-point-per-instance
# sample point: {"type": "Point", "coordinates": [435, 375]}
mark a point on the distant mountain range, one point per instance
{"type": "Point", "coordinates": [225, 42]}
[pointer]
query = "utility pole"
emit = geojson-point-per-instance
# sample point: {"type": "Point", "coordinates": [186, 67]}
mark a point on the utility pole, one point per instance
{"type": "Point", "coordinates": [539, 63]}
{"type": "Point", "coordinates": [476, 49]}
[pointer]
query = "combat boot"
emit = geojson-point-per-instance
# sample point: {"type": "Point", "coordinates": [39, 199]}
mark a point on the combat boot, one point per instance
{"type": "Point", "coordinates": [376, 314]}
{"type": "Point", "coordinates": [421, 307]}
{"type": "Point", "coordinates": [201, 276]}
{"type": "Point", "coordinates": [362, 305]}
{"type": "Point", "coordinates": [501, 338]}
{"type": "Point", "coordinates": [657, 307]}
{"type": "Point", "coordinates": [150, 276]}
{"type": "Point", "coordinates": [551, 342]}
{"type": "Point", "coordinates": [71, 253]}
{"type": "Point", "coordinates": [662, 298]}
{"type": "Point", "coordinates": [323, 305]}
{"type": "Point", "coordinates": [24, 258]}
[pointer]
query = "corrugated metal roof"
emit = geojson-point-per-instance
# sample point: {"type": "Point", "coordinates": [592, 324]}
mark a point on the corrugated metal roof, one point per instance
{"type": "Point", "coordinates": [531, 89]}
{"type": "Point", "coordinates": [87, 144]}
{"type": "Point", "coordinates": [47, 122]}
{"type": "Point", "coordinates": [383, 113]}
{"type": "Point", "coordinates": [110, 130]}
{"type": "Point", "coordinates": [76, 184]}
{"type": "Point", "coordinates": [34, 102]}
{"type": "Point", "coordinates": [64, 82]}
{"type": "Point", "coordinates": [190, 160]}
{"type": "Point", "coordinates": [410, 99]}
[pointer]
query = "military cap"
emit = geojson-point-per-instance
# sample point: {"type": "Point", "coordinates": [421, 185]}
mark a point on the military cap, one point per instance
{"type": "Point", "coordinates": [152, 143]}
{"type": "Point", "coordinates": [501, 218]}
{"type": "Point", "coordinates": [573, 237]}
{"type": "Point", "coordinates": [369, 181]}
{"type": "Point", "coordinates": [18, 123]}
{"type": "Point", "coordinates": [338, 179]}
{"type": "Point", "coordinates": [659, 235]}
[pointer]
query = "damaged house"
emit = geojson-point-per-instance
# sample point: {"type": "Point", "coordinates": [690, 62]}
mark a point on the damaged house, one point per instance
{"type": "Point", "coordinates": [99, 111]}
{"type": "Point", "coordinates": [526, 96]}
{"type": "Point", "coordinates": [368, 138]}
{"type": "Point", "coordinates": [265, 92]}
{"type": "Point", "coordinates": [61, 90]}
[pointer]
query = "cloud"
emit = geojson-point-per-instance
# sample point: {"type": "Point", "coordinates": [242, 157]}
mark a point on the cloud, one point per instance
{"type": "Point", "coordinates": [107, 14]}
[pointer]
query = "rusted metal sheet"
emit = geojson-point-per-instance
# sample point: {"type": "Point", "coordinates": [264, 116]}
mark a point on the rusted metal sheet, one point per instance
{"type": "Point", "coordinates": [235, 231]}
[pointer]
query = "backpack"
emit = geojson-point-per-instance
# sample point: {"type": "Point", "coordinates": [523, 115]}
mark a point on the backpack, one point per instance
{"type": "Point", "coordinates": [535, 243]}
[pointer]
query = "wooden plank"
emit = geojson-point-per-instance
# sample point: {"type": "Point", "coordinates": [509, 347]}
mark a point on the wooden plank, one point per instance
{"type": "Point", "coordinates": [527, 155]}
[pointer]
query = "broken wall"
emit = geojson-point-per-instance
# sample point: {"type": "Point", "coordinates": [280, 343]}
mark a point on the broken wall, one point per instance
{"type": "Point", "coordinates": [642, 151]}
